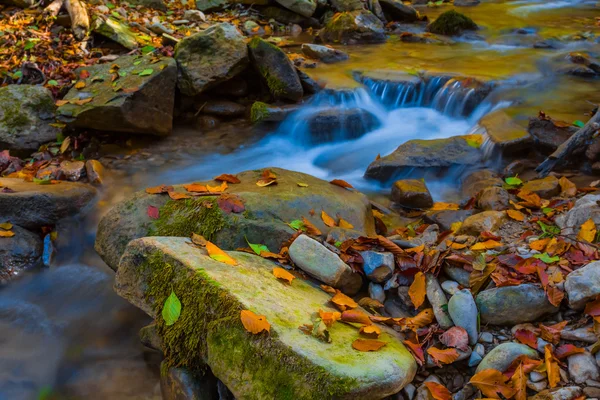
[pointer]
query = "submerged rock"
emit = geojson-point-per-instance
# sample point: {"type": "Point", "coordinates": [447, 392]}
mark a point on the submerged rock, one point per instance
{"type": "Point", "coordinates": [26, 112]}
{"type": "Point", "coordinates": [268, 210]}
{"type": "Point", "coordinates": [352, 27]}
{"type": "Point", "coordinates": [583, 285]}
{"type": "Point", "coordinates": [422, 155]}
{"type": "Point", "coordinates": [323, 53]}
{"type": "Point", "coordinates": [452, 23]}
{"type": "Point", "coordinates": [210, 57]}
{"type": "Point", "coordinates": [213, 293]}
{"type": "Point", "coordinates": [395, 10]}
{"type": "Point", "coordinates": [505, 133]}
{"type": "Point", "coordinates": [411, 193]}
{"type": "Point", "coordinates": [32, 206]}
{"type": "Point", "coordinates": [276, 69]}
{"type": "Point", "coordinates": [143, 102]}
{"type": "Point", "coordinates": [18, 253]}
{"type": "Point", "coordinates": [338, 124]}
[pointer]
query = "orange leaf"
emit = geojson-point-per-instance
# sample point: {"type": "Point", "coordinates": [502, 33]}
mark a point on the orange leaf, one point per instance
{"type": "Point", "coordinates": [368, 302]}
{"type": "Point", "coordinates": [447, 356]}
{"type": "Point", "coordinates": [178, 195]}
{"type": "Point", "coordinates": [519, 383]}
{"type": "Point", "coordinates": [552, 333]}
{"type": "Point", "coordinates": [528, 364]}
{"type": "Point", "coordinates": [283, 274]}
{"type": "Point", "coordinates": [540, 244]}
{"type": "Point", "coordinates": [492, 382]}
{"type": "Point", "coordinates": [530, 200]}
{"type": "Point", "coordinates": [567, 350]}
{"type": "Point", "coordinates": [444, 206]}
{"type": "Point", "coordinates": [552, 368]}
{"type": "Point", "coordinates": [416, 350]}
{"type": "Point", "coordinates": [420, 320]}
{"type": "Point", "coordinates": [329, 317]}
{"type": "Point", "coordinates": [367, 344]}
{"type": "Point", "coordinates": [219, 255]}
{"type": "Point", "coordinates": [371, 331]}
{"type": "Point", "coordinates": [7, 234]}
{"type": "Point", "coordinates": [310, 228]}
{"type": "Point", "coordinates": [356, 316]}
{"type": "Point", "coordinates": [227, 178]}
{"type": "Point", "coordinates": [80, 85]}
{"type": "Point", "coordinates": [516, 215]}
{"type": "Point", "coordinates": [487, 245]}
{"type": "Point", "coordinates": [195, 188]}
{"type": "Point", "coordinates": [341, 183]}
{"type": "Point", "coordinates": [345, 224]}
{"type": "Point", "coordinates": [527, 337]}
{"type": "Point", "coordinates": [159, 189]}
{"type": "Point", "coordinates": [555, 295]}
{"type": "Point", "coordinates": [417, 290]}
{"type": "Point", "coordinates": [438, 392]}
{"type": "Point", "coordinates": [343, 302]}
{"type": "Point", "coordinates": [328, 289]}
{"type": "Point", "coordinates": [567, 188]}
{"type": "Point", "coordinates": [587, 232]}
{"type": "Point", "coordinates": [593, 307]}
{"type": "Point", "coordinates": [327, 219]}
{"type": "Point", "coordinates": [253, 323]}
{"type": "Point", "coordinates": [217, 189]}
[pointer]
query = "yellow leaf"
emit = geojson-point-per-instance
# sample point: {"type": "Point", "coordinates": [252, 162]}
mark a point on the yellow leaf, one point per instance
{"type": "Point", "coordinates": [444, 206]}
{"type": "Point", "coordinates": [6, 226]}
{"type": "Point", "coordinates": [552, 368]}
{"type": "Point", "coordinates": [253, 323]}
{"type": "Point", "coordinates": [446, 356]}
{"type": "Point", "coordinates": [219, 255]}
{"type": "Point", "coordinates": [417, 290]}
{"type": "Point", "coordinates": [80, 85]}
{"type": "Point", "coordinates": [540, 244]}
{"type": "Point", "coordinates": [516, 215]}
{"type": "Point", "coordinates": [7, 234]}
{"type": "Point", "coordinates": [345, 224]}
{"type": "Point", "coordinates": [282, 274]}
{"type": "Point", "coordinates": [519, 383]}
{"type": "Point", "coordinates": [455, 226]}
{"type": "Point", "coordinates": [417, 249]}
{"type": "Point", "coordinates": [487, 245]}
{"type": "Point", "coordinates": [342, 301]}
{"type": "Point", "coordinates": [327, 219]}
{"type": "Point", "coordinates": [587, 232]}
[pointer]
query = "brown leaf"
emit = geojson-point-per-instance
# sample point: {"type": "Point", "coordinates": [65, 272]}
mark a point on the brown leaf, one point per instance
{"type": "Point", "coordinates": [199, 240]}
{"type": "Point", "coordinates": [368, 302]}
{"type": "Point", "coordinates": [178, 195]}
{"type": "Point", "coordinates": [416, 350]}
{"type": "Point", "coordinates": [439, 356]}
{"type": "Point", "coordinates": [253, 323]}
{"type": "Point", "coordinates": [555, 295]}
{"type": "Point", "coordinates": [153, 212]}
{"type": "Point", "coordinates": [267, 178]}
{"type": "Point", "coordinates": [552, 333]}
{"type": "Point", "coordinates": [217, 189]}
{"type": "Point", "coordinates": [310, 228]}
{"type": "Point", "coordinates": [231, 203]}
{"type": "Point", "coordinates": [567, 188]}
{"type": "Point", "coordinates": [283, 274]}
{"type": "Point", "coordinates": [367, 344]}
{"type": "Point", "coordinates": [196, 188]}
{"type": "Point", "coordinates": [438, 392]}
{"type": "Point", "coordinates": [228, 178]}
{"type": "Point", "coordinates": [327, 219]}
{"type": "Point", "coordinates": [456, 337]}
{"type": "Point", "coordinates": [420, 320]}
{"type": "Point", "coordinates": [341, 183]}
{"type": "Point", "coordinates": [478, 278]}
{"type": "Point", "coordinates": [356, 316]}
{"type": "Point", "coordinates": [417, 290]}
{"type": "Point", "coordinates": [492, 382]}
{"type": "Point", "coordinates": [159, 189]}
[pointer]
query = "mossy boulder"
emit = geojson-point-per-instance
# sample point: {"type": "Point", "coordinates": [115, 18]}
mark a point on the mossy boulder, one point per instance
{"type": "Point", "coordinates": [26, 112]}
{"type": "Point", "coordinates": [306, 8]}
{"type": "Point", "coordinates": [118, 32]}
{"type": "Point", "coordinates": [419, 156]}
{"type": "Point", "coordinates": [210, 57]}
{"type": "Point", "coordinates": [352, 27]}
{"type": "Point", "coordinates": [334, 124]}
{"type": "Point", "coordinates": [505, 133]}
{"type": "Point", "coordinates": [347, 5]}
{"type": "Point", "coordinates": [216, 5]}
{"type": "Point", "coordinates": [276, 70]}
{"type": "Point", "coordinates": [395, 10]}
{"type": "Point", "coordinates": [140, 101]}
{"type": "Point", "coordinates": [268, 210]}
{"type": "Point", "coordinates": [452, 23]}
{"type": "Point", "coordinates": [284, 364]}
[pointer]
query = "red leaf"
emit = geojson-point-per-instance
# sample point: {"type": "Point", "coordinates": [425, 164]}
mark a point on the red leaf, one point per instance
{"type": "Point", "coordinates": [231, 203]}
{"type": "Point", "coordinates": [567, 350]}
{"type": "Point", "coordinates": [593, 308]}
{"type": "Point", "coordinates": [153, 212]}
{"type": "Point", "coordinates": [416, 350]}
{"type": "Point", "coordinates": [456, 337]}
{"type": "Point", "coordinates": [526, 337]}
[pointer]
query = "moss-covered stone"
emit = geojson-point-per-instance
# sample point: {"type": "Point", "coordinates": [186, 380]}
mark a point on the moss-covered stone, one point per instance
{"type": "Point", "coordinates": [352, 27]}
{"type": "Point", "coordinates": [505, 133]}
{"type": "Point", "coordinates": [452, 23]}
{"type": "Point", "coordinates": [259, 112]}
{"type": "Point", "coordinates": [118, 32]}
{"type": "Point", "coordinates": [285, 364]}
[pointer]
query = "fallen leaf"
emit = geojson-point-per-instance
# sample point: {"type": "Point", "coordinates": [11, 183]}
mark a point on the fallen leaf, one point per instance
{"type": "Point", "coordinates": [438, 392]}
{"type": "Point", "coordinates": [478, 278]}
{"type": "Point", "coordinates": [342, 301]}
{"type": "Point", "coordinates": [7, 234]}
{"type": "Point", "coordinates": [444, 206]}
{"type": "Point", "coordinates": [370, 331]}
{"type": "Point", "coordinates": [587, 232]}
{"type": "Point", "coordinates": [231, 203]}
{"type": "Point", "coordinates": [153, 212]}
{"type": "Point", "coordinates": [327, 219]}
{"type": "Point", "coordinates": [492, 383]}
{"type": "Point", "coordinates": [341, 183]}
{"type": "Point", "coordinates": [267, 178]}
{"type": "Point", "coordinates": [519, 383]}
{"type": "Point", "coordinates": [196, 188]}
{"type": "Point", "coordinates": [329, 317]}
{"type": "Point", "coordinates": [80, 85]}
{"type": "Point", "coordinates": [310, 228]}
{"type": "Point", "coordinates": [516, 215]}
{"type": "Point", "coordinates": [446, 356]}
{"type": "Point", "coordinates": [282, 274]}
{"type": "Point", "coordinates": [420, 320]}
{"type": "Point", "coordinates": [552, 333]}
{"type": "Point", "coordinates": [219, 255]}
{"type": "Point", "coordinates": [253, 323]}
{"type": "Point", "coordinates": [217, 189]}
{"type": "Point", "coordinates": [171, 309]}
{"type": "Point", "coordinates": [417, 290]}
{"type": "Point", "coordinates": [328, 289]}
{"type": "Point", "coordinates": [552, 368]}
{"type": "Point", "coordinates": [228, 178]}
{"type": "Point", "coordinates": [178, 195]}
{"type": "Point", "coordinates": [84, 74]}
{"type": "Point", "coordinates": [528, 364]}
{"type": "Point", "coordinates": [487, 245]}
{"type": "Point", "coordinates": [567, 350]}
{"type": "Point", "coordinates": [367, 344]}
{"type": "Point", "coordinates": [345, 224]}
{"type": "Point", "coordinates": [555, 295]}
{"type": "Point", "coordinates": [300, 184]}
{"type": "Point", "coordinates": [456, 337]}
{"type": "Point", "coordinates": [368, 302]}
{"type": "Point", "coordinates": [593, 307]}
{"type": "Point", "coordinates": [6, 226]}
{"type": "Point", "coordinates": [530, 200]}
{"type": "Point", "coordinates": [527, 337]}
{"type": "Point", "coordinates": [356, 316]}
{"type": "Point", "coordinates": [539, 244]}
{"type": "Point", "coordinates": [567, 188]}
{"type": "Point", "coordinates": [416, 350]}
{"type": "Point", "coordinates": [159, 189]}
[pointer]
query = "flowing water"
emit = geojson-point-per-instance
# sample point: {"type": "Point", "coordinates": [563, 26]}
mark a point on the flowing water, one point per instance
{"type": "Point", "coordinates": [64, 331]}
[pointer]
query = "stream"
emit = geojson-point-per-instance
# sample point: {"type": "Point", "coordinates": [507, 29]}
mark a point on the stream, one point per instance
{"type": "Point", "coordinates": [64, 333]}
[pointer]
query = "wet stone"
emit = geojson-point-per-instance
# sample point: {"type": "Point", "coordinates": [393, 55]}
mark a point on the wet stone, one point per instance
{"type": "Point", "coordinates": [411, 193]}
{"type": "Point", "coordinates": [583, 285]}
{"type": "Point", "coordinates": [353, 27]}
{"type": "Point", "coordinates": [95, 172]}
{"type": "Point", "coordinates": [378, 267]}
{"type": "Point", "coordinates": [487, 221]}
{"type": "Point", "coordinates": [549, 135]}
{"type": "Point", "coordinates": [545, 188]}
{"type": "Point", "coordinates": [149, 337]}
{"type": "Point", "coordinates": [584, 209]}
{"type": "Point", "coordinates": [19, 253]}
{"type": "Point", "coordinates": [438, 301]}
{"type": "Point", "coordinates": [506, 134]}
{"type": "Point", "coordinates": [207, 122]}
{"type": "Point", "coordinates": [223, 108]}
{"type": "Point", "coordinates": [335, 124]}
{"type": "Point", "coordinates": [445, 218]}
{"type": "Point", "coordinates": [325, 54]}
{"type": "Point", "coordinates": [182, 384]}
{"type": "Point", "coordinates": [476, 181]}
{"type": "Point", "coordinates": [72, 170]}
{"type": "Point", "coordinates": [493, 198]}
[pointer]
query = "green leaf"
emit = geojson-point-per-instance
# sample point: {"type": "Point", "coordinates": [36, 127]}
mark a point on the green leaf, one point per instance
{"type": "Point", "coordinates": [60, 137]}
{"type": "Point", "coordinates": [547, 210]}
{"type": "Point", "coordinates": [296, 224]}
{"type": "Point", "coordinates": [122, 73]}
{"type": "Point", "coordinates": [338, 244]}
{"type": "Point", "coordinates": [578, 123]}
{"type": "Point", "coordinates": [549, 230]}
{"type": "Point", "coordinates": [172, 309]}
{"type": "Point", "coordinates": [17, 74]}
{"type": "Point", "coordinates": [473, 143]}
{"type": "Point", "coordinates": [116, 15]}
{"type": "Point", "coordinates": [546, 258]}
{"type": "Point", "coordinates": [45, 181]}
{"type": "Point", "coordinates": [147, 49]}
{"type": "Point", "coordinates": [109, 5]}
{"type": "Point", "coordinates": [257, 248]}
{"type": "Point", "coordinates": [138, 62]}
{"type": "Point", "coordinates": [52, 82]}
{"type": "Point", "coordinates": [439, 3]}
{"type": "Point", "coordinates": [29, 45]}
{"type": "Point", "coordinates": [513, 181]}
{"type": "Point", "coordinates": [80, 157]}
{"type": "Point", "coordinates": [146, 72]}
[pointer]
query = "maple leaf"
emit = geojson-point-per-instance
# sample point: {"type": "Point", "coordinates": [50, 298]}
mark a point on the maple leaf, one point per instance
{"type": "Point", "coordinates": [492, 383]}
{"type": "Point", "coordinates": [417, 290]}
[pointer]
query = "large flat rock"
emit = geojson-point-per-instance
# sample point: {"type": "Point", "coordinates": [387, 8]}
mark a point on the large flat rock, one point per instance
{"type": "Point", "coordinates": [283, 364]}
{"type": "Point", "coordinates": [268, 210]}
{"type": "Point", "coordinates": [32, 206]}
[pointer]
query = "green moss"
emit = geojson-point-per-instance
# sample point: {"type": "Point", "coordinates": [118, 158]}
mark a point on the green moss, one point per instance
{"type": "Point", "coordinates": [260, 365]}
{"type": "Point", "coordinates": [276, 86]}
{"type": "Point", "coordinates": [259, 112]}
{"type": "Point", "coordinates": [452, 23]}
{"type": "Point", "coordinates": [184, 217]}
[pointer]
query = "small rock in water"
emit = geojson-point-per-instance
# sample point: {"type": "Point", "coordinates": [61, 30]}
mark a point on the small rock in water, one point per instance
{"type": "Point", "coordinates": [411, 193]}
{"type": "Point", "coordinates": [150, 338]}
{"type": "Point", "coordinates": [323, 53]}
{"type": "Point", "coordinates": [207, 122]}
{"type": "Point", "coordinates": [463, 312]}
{"type": "Point", "coordinates": [72, 170]}
{"type": "Point", "coordinates": [582, 367]}
{"type": "Point", "coordinates": [450, 287]}
{"type": "Point", "coordinates": [376, 292]}
{"type": "Point", "coordinates": [94, 171]}
{"type": "Point", "coordinates": [501, 356]}
{"type": "Point", "coordinates": [378, 267]}
{"type": "Point", "coordinates": [18, 253]}
{"type": "Point", "coordinates": [438, 301]}
{"type": "Point", "coordinates": [583, 285]}
{"type": "Point", "coordinates": [180, 383]}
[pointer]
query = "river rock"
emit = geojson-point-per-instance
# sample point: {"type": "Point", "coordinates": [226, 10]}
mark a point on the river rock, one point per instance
{"type": "Point", "coordinates": [26, 112]}
{"type": "Point", "coordinates": [395, 10]}
{"type": "Point", "coordinates": [32, 206]}
{"type": "Point", "coordinates": [352, 27]}
{"type": "Point", "coordinates": [347, 5]}
{"type": "Point", "coordinates": [451, 23]}
{"type": "Point", "coordinates": [438, 301]}
{"type": "Point", "coordinates": [378, 267]}
{"type": "Point", "coordinates": [149, 337]}
{"type": "Point", "coordinates": [497, 306]}
{"type": "Point", "coordinates": [584, 334]}
{"type": "Point", "coordinates": [18, 253]}
{"type": "Point", "coordinates": [263, 112]}
{"type": "Point", "coordinates": [549, 135]}
{"type": "Point", "coordinates": [583, 285]}
{"type": "Point", "coordinates": [213, 293]}
{"type": "Point", "coordinates": [545, 188]}
{"type": "Point", "coordinates": [445, 218]}
{"type": "Point", "coordinates": [376, 292]}
{"type": "Point", "coordinates": [463, 311]}
{"type": "Point", "coordinates": [306, 8]}
{"type": "Point", "coordinates": [210, 57]}
{"type": "Point", "coordinates": [181, 384]}
{"type": "Point", "coordinates": [501, 356]}
{"type": "Point", "coordinates": [505, 133]}
{"type": "Point", "coordinates": [94, 172]}
{"type": "Point", "coordinates": [582, 367]}
{"type": "Point", "coordinates": [420, 155]}
{"type": "Point", "coordinates": [339, 124]}
{"type": "Point", "coordinates": [584, 209]}
{"type": "Point", "coordinates": [411, 193]}
{"type": "Point", "coordinates": [321, 263]}
{"type": "Point", "coordinates": [117, 31]}
{"type": "Point", "coordinates": [493, 199]}
{"type": "Point", "coordinates": [143, 104]}
{"type": "Point", "coordinates": [325, 54]}
{"type": "Point", "coordinates": [476, 181]}
{"type": "Point", "coordinates": [224, 108]}
{"type": "Point", "coordinates": [486, 221]}
{"type": "Point", "coordinates": [268, 210]}
{"type": "Point", "coordinates": [276, 70]}
{"type": "Point", "coordinates": [564, 393]}
{"type": "Point", "coordinates": [235, 87]}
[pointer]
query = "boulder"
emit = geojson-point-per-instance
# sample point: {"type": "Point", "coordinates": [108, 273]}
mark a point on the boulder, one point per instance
{"type": "Point", "coordinates": [210, 57]}
{"type": "Point", "coordinates": [347, 5]}
{"type": "Point", "coordinates": [487, 221]}
{"type": "Point", "coordinates": [463, 311]}
{"type": "Point", "coordinates": [306, 8]}
{"type": "Point", "coordinates": [339, 124]}
{"type": "Point", "coordinates": [212, 294]}
{"type": "Point", "coordinates": [545, 187]}
{"type": "Point", "coordinates": [583, 285]}
{"type": "Point", "coordinates": [18, 253]}
{"type": "Point", "coordinates": [420, 155]}
{"type": "Point", "coordinates": [26, 112]}
{"type": "Point", "coordinates": [451, 23]}
{"type": "Point", "coordinates": [276, 70]}
{"type": "Point", "coordinates": [32, 206]}
{"type": "Point", "coordinates": [142, 104]}
{"type": "Point", "coordinates": [497, 306]}
{"type": "Point", "coordinates": [395, 10]}
{"type": "Point", "coordinates": [352, 27]}
{"type": "Point", "coordinates": [584, 209]}
{"type": "Point", "coordinates": [501, 356]}
{"type": "Point", "coordinates": [268, 210]}
{"type": "Point", "coordinates": [505, 133]}
{"type": "Point", "coordinates": [113, 29]}
{"type": "Point", "coordinates": [493, 198]}
{"type": "Point", "coordinates": [183, 384]}
{"type": "Point", "coordinates": [325, 54]}
{"type": "Point", "coordinates": [548, 134]}
{"type": "Point", "coordinates": [411, 193]}
{"type": "Point", "coordinates": [321, 263]}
